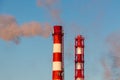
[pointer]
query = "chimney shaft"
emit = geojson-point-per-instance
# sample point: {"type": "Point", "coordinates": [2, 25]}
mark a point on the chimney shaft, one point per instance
{"type": "Point", "coordinates": [79, 58]}
{"type": "Point", "coordinates": [58, 62]}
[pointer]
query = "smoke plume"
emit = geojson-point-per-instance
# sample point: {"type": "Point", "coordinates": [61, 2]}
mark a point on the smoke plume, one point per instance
{"type": "Point", "coordinates": [114, 46]}
{"type": "Point", "coordinates": [107, 70]}
{"type": "Point", "coordinates": [11, 31]}
{"type": "Point", "coordinates": [52, 8]}
{"type": "Point", "coordinates": [114, 55]}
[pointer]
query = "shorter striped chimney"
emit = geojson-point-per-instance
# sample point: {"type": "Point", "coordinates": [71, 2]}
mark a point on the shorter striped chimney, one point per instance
{"type": "Point", "coordinates": [57, 65]}
{"type": "Point", "coordinates": [79, 58]}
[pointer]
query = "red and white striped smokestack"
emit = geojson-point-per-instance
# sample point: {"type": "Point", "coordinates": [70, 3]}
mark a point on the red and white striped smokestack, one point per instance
{"type": "Point", "coordinates": [79, 58]}
{"type": "Point", "coordinates": [58, 62]}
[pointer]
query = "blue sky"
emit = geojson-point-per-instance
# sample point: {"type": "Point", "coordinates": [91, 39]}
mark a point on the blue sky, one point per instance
{"type": "Point", "coordinates": [31, 59]}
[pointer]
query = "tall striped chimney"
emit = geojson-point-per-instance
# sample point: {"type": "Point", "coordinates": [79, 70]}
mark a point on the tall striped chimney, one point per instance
{"type": "Point", "coordinates": [79, 58]}
{"type": "Point", "coordinates": [58, 62]}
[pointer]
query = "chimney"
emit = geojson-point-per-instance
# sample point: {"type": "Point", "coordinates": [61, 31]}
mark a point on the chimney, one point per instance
{"type": "Point", "coordinates": [58, 54]}
{"type": "Point", "coordinates": [79, 58]}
